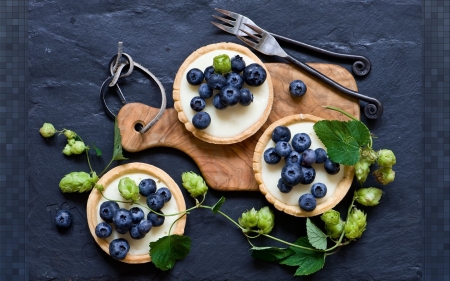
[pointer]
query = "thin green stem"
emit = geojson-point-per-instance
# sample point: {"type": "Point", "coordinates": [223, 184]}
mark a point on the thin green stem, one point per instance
{"type": "Point", "coordinates": [291, 244]}
{"type": "Point", "coordinates": [341, 111]}
{"type": "Point", "coordinates": [170, 228]}
{"type": "Point", "coordinates": [223, 214]}
{"type": "Point", "coordinates": [338, 243]}
{"type": "Point", "coordinates": [106, 168]}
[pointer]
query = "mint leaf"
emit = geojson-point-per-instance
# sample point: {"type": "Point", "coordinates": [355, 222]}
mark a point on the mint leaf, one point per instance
{"type": "Point", "coordinates": [316, 237]}
{"type": "Point", "coordinates": [217, 206]}
{"type": "Point", "coordinates": [117, 154]}
{"type": "Point", "coordinates": [308, 261]}
{"type": "Point", "coordinates": [342, 139]}
{"type": "Point", "coordinates": [271, 254]}
{"type": "Point", "coordinates": [168, 249]}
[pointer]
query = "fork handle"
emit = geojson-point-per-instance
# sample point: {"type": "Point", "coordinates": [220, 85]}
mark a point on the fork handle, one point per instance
{"type": "Point", "coordinates": [374, 108]}
{"type": "Point", "coordinates": [361, 65]}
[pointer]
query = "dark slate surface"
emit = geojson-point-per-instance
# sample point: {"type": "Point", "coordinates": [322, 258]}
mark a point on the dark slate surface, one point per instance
{"type": "Point", "coordinates": [71, 43]}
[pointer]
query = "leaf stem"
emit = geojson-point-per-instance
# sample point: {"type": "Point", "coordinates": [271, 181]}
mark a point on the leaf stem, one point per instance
{"type": "Point", "coordinates": [341, 111]}
{"type": "Point", "coordinates": [291, 244]}
{"type": "Point", "coordinates": [338, 243]}
{"type": "Point", "coordinates": [223, 214]}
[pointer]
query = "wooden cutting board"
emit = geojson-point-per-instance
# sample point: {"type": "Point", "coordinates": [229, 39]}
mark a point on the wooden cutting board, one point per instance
{"type": "Point", "coordinates": [229, 167]}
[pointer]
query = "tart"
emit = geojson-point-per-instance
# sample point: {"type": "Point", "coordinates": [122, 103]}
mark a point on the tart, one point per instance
{"type": "Point", "coordinates": [235, 123]}
{"type": "Point", "coordinates": [267, 175]}
{"type": "Point", "coordinates": [139, 249]}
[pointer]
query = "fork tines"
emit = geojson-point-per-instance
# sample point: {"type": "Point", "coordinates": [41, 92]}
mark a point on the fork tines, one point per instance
{"type": "Point", "coordinates": [227, 13]}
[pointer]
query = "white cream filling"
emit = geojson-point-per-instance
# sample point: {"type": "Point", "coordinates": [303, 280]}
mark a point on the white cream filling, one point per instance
{"type": "Point", "coordinates": [141, 246]}
{"type": "Point", "coordinates": [232, 120]}
{"type": "Point", "coordinates": [272, 173]}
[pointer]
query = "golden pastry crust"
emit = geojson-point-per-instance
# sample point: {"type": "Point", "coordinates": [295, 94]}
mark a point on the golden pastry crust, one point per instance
{"type": "Point", "coordinates": [239, 49]}
{"type": "Point", "coordinates": [121, 171]}
{"type": "Point", "coordinates": [341, 189]}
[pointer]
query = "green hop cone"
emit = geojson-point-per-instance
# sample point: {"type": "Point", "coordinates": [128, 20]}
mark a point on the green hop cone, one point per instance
{"type": "Point", "coordinates": [368, 196]}
{"type": "Point", "coordinates": [222, 64]}
{"type": "Point", "coordinates": [362, 170]}
{"type": "Point", "coordinates": [77, 147]}
{"type": "Point", "coordinates": [356, 224]}
{"type": "Point", "coordinates": [368, 155]}
{"type": "Point", "coordinates": [335, 230]}
{"type": "Point", "coordinates": [47, 130]}
{"type": "Point", "coordinates": [77, 182]}
{"type": "Point", "coordinates": [71, 142]}
{"type": "Point", "coordinates": [266, 220]}
{"type": "Point", "coordinates": [128, 189]}
{"type": "Point", "coordinates": [248, 219]}
{"type": "Point", "coordinates": [331, 217]}
{"type": "Point", "coordinates": [384, 175]}
{"type": "Point", "coordinates": [386, 158]}
{"type": "Point", "coordinates": [194, 184]}
{"type": "Point", "coordinates": [69, 134]}
{"type": "Point", "coordinates": [66, 150]}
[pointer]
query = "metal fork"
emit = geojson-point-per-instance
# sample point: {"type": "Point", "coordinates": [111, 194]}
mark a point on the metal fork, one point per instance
{"type": "Point", "coordinates": [361, 65]}
{"type": "Point", "coordinates": [267, 44]}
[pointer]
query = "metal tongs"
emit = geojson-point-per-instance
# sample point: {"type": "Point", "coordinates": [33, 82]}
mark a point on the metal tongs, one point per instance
{"type": "Point", "coordinates": [266, 43]}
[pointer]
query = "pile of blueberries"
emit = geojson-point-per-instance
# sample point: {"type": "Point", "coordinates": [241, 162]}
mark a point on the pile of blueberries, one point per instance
{"type": "Point", "coordinates": [230, 88]}
{"type": "Point", "coordinates": [298, 169]}
{"type": "Point", "coordinates": [132, 221]}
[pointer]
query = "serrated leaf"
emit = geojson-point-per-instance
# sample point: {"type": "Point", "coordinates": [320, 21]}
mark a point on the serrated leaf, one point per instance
{"type": "Point", "coordinates": [98, 152]}
{"type": "Point", "coordinates": [342, 139]}
{"type": "Point", "coordinates": [217, 206]}
{"type": "Point", "coordinates": [271, 254]}
{"type": "Point", "coordinates": [168, 249]}
{"type": "Point", "coordinates": [316, 237]}
{"type": "Point", "coordinates": [117, 153]}
{"type": "Point", "coordinates": [308, 261]}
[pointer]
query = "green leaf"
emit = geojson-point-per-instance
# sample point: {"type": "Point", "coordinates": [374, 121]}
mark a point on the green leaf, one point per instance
{"type": "Point", "coordinates": [342, 139]}
{"type": "Point", "coordinates": [316, 237]}
{"type": "Point", "coordinates": [97, 150]}
{"type": "Point", "coordinates": [271, 254]}
{"type": "Point", "coordinates": [217, 206]}
{"type": "Point", "coordinates": [117, 154]}
{"type": "Point", "coordinates": [168, 249]}
{"type": "Point", "coordinates": [308, 261]}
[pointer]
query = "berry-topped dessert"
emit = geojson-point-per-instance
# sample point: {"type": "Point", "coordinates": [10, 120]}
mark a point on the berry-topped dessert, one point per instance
{"type": "Point", "coordinates": [223, 93]}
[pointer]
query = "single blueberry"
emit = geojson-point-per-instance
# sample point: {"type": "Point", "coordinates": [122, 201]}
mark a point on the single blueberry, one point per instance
{"type": "Point", "coordinates": [118, 248]}
{"type": "Point", "coordinates": [146, 187]}
{"type": "Point", "coordinates": [293, 158]}
{"type": "Point", "coordinates": [292, 174]}
{"type": "Point", "coordinates": [281, 133]}
{"type": "Point", "coordinates": [217, 103]}
{"type": "Point", "coordinates": [197, 103]}
{"type": "Point", "coordinates": [155, 219]}
{"type": "Point", "coordinates": [208, 71]}
{"type": "Point", "coordinates": [283, 187]}
{"type": "Point", "coordinates": [122, 230]}
{"type": "Point", "coordinates": [201, 120]}
{"type": "Point", "coordinates": [283, 148]}
{"type": "Point", "coordinates": [297, 88]}
{"type": "Point", "coordinates": [122, 219]}
{"type": "Point", "coordinates": [136, 214]}
{"type": "Point", "coordinates": [321, 155]}
{"type": "Point", "coordinates": [246, 97]}
{"type": "Point", "coordinates": [254, 74]}
{"type": "Point", "coordinates": [271, 156]}
{"type": "Point", "coordinates": [307, 202]}
{"type": "Point", "coordinates": [309, 174]}
{"type": "Point", "coordinates": [165, 192]}
{"type": "Point", "coordinates": [237, 64]}
{"type": "Point", "coordinates": [103, 230]}
{"type": "Point", "coordinates": [134, 232]}
{"type": "Point", "coordinates": [216, 81]}
{"type": "Point", "coordinates": [229, 95]}
{"type": "Point", "coordinates": [195, 76]}
{"type": "Point", "coordinates": [308, 157]}
{"type": "Point", "coordinates": [234, 79]}
{"type": "Point", "coordinates": [301, 142]}
{"type": "Point", "coordinates": [107, 210]}
{"type": "Point", "coordinates": [63, 219]}
{"type": "Point", "coordinates": [331, 167]}
{"type": "Point", "coordinates": [155, 202]}
{"type": "Point", "coordinates": [319, 190]}
{"type": "Point", "coordinates": [145, 226]}
{"type": "Point", "coordinates": [204, 91]}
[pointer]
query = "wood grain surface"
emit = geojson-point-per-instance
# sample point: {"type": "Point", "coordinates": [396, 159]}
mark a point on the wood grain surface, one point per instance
{"type": "Point", "coordinates": [229, 167]}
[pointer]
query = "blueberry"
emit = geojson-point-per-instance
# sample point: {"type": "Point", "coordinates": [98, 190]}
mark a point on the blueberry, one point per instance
{"type": "Point", "coordinates": [308, 157]}
{"type": "Point", "coordinates": [197, 103]}
{"type": "Point", "coordinates": [283, 148]}
{"type": "Point", "coordinates": [216, 81]}
{"type": "Point", "coordinates": [237, 64]}
{"type": "Point", "coordinates": [63, 219]}
{"type": "Point", "coordinates": [208, 71]}
{"type": "Point", "coordinates": [122, 230]}
{"type": "Point", "coordinates": [319, 190]}
{"type": "Point", "coordinates": [204, 91]}
{"type": "Point", "coordinates": [307, 202]}
{"type": "Point", "coordinates": [118, 248]}
{"type": "Point", "coordinates": [229, 95]}
{"type": "Point", "coordinates": [136, 214]}
{"type": "Point", "coordinates": [331, 167]}
{"type": "Point", "coordinates": [297, 88]}
{"type": "Point", "coordinates": [155, 202]}
{"type": "Point", "coordinates": [201, 120]}
{"type": "Point", "coordinates": [292, 174]}
{"type": "Point", "coordinates": [281, 133]}
{"type": "Point", "coordinates": [309, 174]}
{"type": "Point", "coordinates": [165, 192]}
{"type": "Point", "coordinates": [195, 76]}
{"type": "Point", "coordinates": [294, 158]}
{"type": "Point", "coordinates": [254, 74]}
{"type": "Point", "coordinates": [284, 188]}
{"type": "Point", "coordinates": [122, 219]}
{"type": "Point", "coordinates": [156, 219]}
{"type": "Point", "coordinates": [234, 79]}
{"type": "Point", "coordinates": [146, 187]}
{"type": "Point", "coordinates": [217, 103]}
{"type": "Point", "coordinates": [246, 97]}
{"type": "Point", "coordinates": [145, 226]}
{"type": "Point", "coordinates": [103, 230]}
{"type": "Point", "coordinates": [321, 155]}
{"type": "Point", "coordinates": [135, 233]}
{"type": "Point", "coordinates": [271, 156]}
{"type": "Point", "coordinates": [301, 142]}
{"type": "Point", "coordinates": [107, 210]}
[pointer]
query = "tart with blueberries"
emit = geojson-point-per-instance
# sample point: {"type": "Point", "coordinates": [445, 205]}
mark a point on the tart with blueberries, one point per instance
{"type": "Point", "coordinates": [124, 230]}
{"type": "Point", "coordinates": [223, 93]}
{"type": "Point", "coordinates": [293, 171]}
